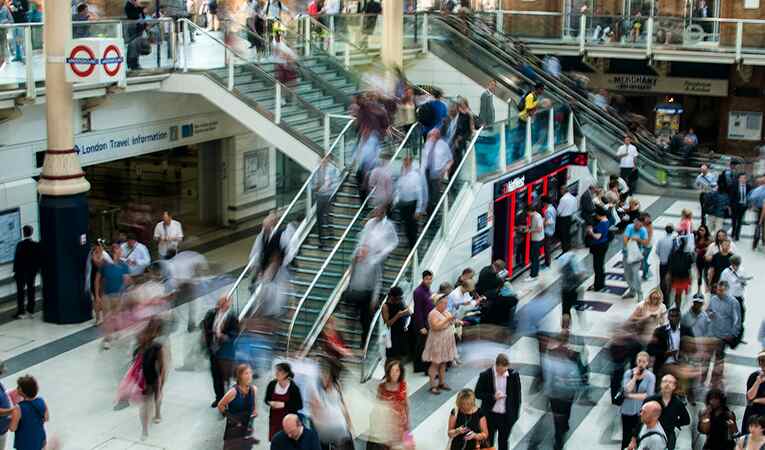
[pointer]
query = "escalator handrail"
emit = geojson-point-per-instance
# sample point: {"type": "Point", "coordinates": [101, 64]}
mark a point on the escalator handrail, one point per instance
{"type": "Point", "coordinates": [282, 217]}
{"type": "Point", "coordinates": [404, 266]}
{"type": "Point", "coordinates": [331, 303]}
{"type": "Point", "coordinates": [285, 89]}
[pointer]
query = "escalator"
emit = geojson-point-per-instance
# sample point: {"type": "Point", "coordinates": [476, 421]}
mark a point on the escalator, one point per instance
{"type": "Point", "coordinates": [464, 46]}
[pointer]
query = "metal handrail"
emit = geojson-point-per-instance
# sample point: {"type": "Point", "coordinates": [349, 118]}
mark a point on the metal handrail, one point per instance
{"type": "Point", "coordinates": [332, 254]}
{"type": "Point", "coordinates": [90, 22]}
{"type": "Point", "coordinates": [257, 68]}
{"type": "Point", "coordinates": [286, 212]}
{"type": "Point", "coordinates": [425, 229]}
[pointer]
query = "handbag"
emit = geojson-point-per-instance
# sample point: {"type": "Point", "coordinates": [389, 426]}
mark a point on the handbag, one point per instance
{"type": "Point", "coordinates": [633, 252]}
{"type": "Point", "coordinates": [618, 399]}
{"type": "Point", "coordinates": [133, 383]}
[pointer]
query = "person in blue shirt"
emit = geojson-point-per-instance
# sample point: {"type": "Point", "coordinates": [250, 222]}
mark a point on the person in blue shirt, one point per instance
{"type": "Point", "coordinates": [111, 281]}
{"type": "Point", "coordinates": [6, 410]}
{"type": "Point", "coordinates": [29, 417]}
{"type": "Point", "coordinates": [598, 240]}
{"type": "Point", "coordinates": [635, 232]}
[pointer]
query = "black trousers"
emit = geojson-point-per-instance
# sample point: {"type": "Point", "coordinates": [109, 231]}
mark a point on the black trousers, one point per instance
{"type": "Point", "coordinates": [569, 298]}
{"type": "Point", "coordinates": [434, 193]}
{"type": "Point", "coordinates": [498, 424]}
{"type": "Point", "coordinates": [218, 377]}
{"type": "Point", "coordinates": [322, 215]}
{"type": "Point", "coordinates": [703, 209]}
{"type": "Point", "coordinates": [664, 283]}
{"type": "Point", "coordinates": [629, 428]}
{"type": "Point", "coordinates": [25, 283]}
{"type": "Point", "coordinates": [630, 175]}
{"type": "Point", "coordinates": [407, 211]}
{"type": "Point", "coordinates": [598, 265]}
{"type": "Point", "coordinates": [561, 410]}
{"type": "Point", "coordinates": [419, 347]}
{"type": "Point", "coordinates": [737, 217]}
{"type": "Point", "coordinates": [563, 227]}
{"type": "Point", "coordinates": [362, 301]}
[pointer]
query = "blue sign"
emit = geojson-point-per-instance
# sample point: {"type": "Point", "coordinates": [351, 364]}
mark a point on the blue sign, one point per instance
{"type": "Point", "coordinates": [483, 221]}
{"type": "Point", "coordinates": [10, 234]}
{"type": "Point", "coordinates": [481, 242]}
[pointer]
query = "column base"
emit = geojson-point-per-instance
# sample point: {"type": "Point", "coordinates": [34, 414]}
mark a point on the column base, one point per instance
{"type": "Point", "coordinates": [65, 247]}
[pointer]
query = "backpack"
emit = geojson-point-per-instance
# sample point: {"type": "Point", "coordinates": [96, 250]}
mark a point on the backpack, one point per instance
{"type": "Point", "coordinates": [522, 101]}
{"type": "Point", "coordinates": [652, 433]}
{"type": "Point", "coordinates": [426, 115]}
{"type": "Point", "coordinates": [680, 261]}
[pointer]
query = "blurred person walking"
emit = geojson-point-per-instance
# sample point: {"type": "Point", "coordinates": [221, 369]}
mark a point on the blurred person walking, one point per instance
{"type": "Point", "coordinates": [168, 233]}
{"type": "Point", "coordinates": [410, 199]}
{"type": "Point", "coordinates": [465, 127]}
{"type": "Point", "coordinates": [325, 183]}
{"type": "Point", "coordinates": [394, 314]}
{"type": "Point", "coordinates": [365, 157]}
{"type": "Point", "coordinates": [637, 385]}
{"type": "Point", "coordinates": [499, 389]}
{"type": "Point", "coordinates": [239, 407]}
{"type": "Point", "coordinates": [440, 347]}
{"type": "Point", "coordinates": [663, 250]}
{"type": "Point", "coordinates": [645, 267]}
{"type": "Point", "coordinates": [438, 162]}
{"type": "Point", "coordinates": [29, 416]}
{"type": "Point", "coordinates": [674, 414]}
{"type": "Point", "coordinates": [706, 183]}
{"type": "Point", "coordinates": [467, 427]}
{"type": "Point", "coordinates": [294, 436]}
{"type": "Point", "coordinates": [27, 260]}
{"type": "Point", "coordinates": [664, 346]}
{"type": "Point", "coordinates": [111, 282]}
{"type": "Point", "coordinates": [377, 240]}
{"type": "Point", "coordinates": [724, 313]}
{"type": "Point", "coordinates": [135, 255]}
{"type": "Point", "coordinates": [331, 419]}
{"type": "Point", "coordinates": [390, 426]}
{"type": "Point", "coordinates": [220, 327]}
{"type": "Point", "coordinates": [283, 398]}
{"type": "Point", "coordinates": [486, 114]}
{"type": "Point", "coordinates": [717, 422]}
{"type": "Point", "coordinates": [380, 184]}
{"type": "Point", "coordinates": [423, 305]}
{"type": "Point", "coordinates": [154, 360]}
{"type": "Point", "coordinates": [635, 238]}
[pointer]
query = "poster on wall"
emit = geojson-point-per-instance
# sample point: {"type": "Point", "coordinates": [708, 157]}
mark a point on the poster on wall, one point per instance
{"type": "Point", "coordinates": [745, 125]}
{"type": "Point", "coordinates": [10, 233]}
{"type": "Point", "coordinates": [256, 170]}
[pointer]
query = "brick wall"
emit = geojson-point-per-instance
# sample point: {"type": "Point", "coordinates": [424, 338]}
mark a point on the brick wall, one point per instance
{"type": "Point", "coordinates": [533, 26]}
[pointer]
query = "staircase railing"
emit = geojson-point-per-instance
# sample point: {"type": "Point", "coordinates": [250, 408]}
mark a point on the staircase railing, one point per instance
{"type": "Point", "coordinates": [344, 257]}
{"type": "Point", "coordinates": [464, 177]}
{"type": "Point", "coordinates": [301, 204]}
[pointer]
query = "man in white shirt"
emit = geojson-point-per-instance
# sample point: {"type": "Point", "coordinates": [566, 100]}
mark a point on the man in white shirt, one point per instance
{"type": "Point", "coordinates": [381, 181]}
{"type": "Point", "coordinates": [168, 233]}
{"type": "Point", "coordinates": [499, 389]}
{"type": "Point", "coordinates": [628, 156]}
{"type": "Point", "coordinates": [437, 157]}
{"type": "Point", "coordinates": [135, 255]}
{"type": "Point", "coordinates": [706, 182]}
{"type": "Point", "coordinates": [567, 207]}
{"type": "Point", "coordinates": [551, 215]}
{"type": "Point", "coordinates": [737, 281]}
{"type": "Point", "coordinates": [537, 230]}
{"type": "Point", "coordinates": [410, 198]}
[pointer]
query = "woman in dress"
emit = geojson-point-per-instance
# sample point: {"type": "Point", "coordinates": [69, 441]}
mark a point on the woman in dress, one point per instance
{"type": "Point", "coordinates": [717, 422]}
{"type": "Point", "coordinates": [394, 314]}
{"type": "Point", "coordinates": [467, 426]}
{"type": "Point", "coordinates": [330, 413]}
{"type": "Point", "coordinates": [393, 432]}
{"type": "Point", "coordinates": [153, 364]}
{"type": "Point", "coordinates": [29, 416]}
{"type": "Point", "coordinates": [651, 312]}
{"type": "Point", "coordinates": [755, 440]}
{"type": "Point", "coordinates": [702, 240]}
{"type": "Point", "coordinates": [238, 405]}
{"type": "Point", "coordinates": [440, 346]}
{"type": "Point", "coordinates": [283, 397]}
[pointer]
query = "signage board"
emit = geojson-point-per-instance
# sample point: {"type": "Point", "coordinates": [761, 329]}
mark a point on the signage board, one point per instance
{"type": "Point", "coordinates": [10, 233]}
{"type": "Point", "coordinates": [483, 221]}
{"type": "Point", "coordinates": [744, 125]}
{"type": "Point", "coordinates": [95, 60]}
{"type": "Point", "coordinates": [256, 171]}
{"type": "Point", "coordinates": [480, 242]}
{"type": "Point", "coordinates": [659, 85]}
{"type": "Point", "coordinates": [518, 179]}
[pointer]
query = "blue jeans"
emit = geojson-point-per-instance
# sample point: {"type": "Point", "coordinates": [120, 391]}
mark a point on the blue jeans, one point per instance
{"type": "Point", "coordinates": [535, 246]}
{"type": "Point", "coordinates": [646, 268]}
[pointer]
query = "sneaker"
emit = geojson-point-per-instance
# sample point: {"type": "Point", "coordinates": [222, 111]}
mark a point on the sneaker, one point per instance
{"type": "Point", "coordinates": [529, 279]}
{"type": "Point", "coordinates": [20, 316]}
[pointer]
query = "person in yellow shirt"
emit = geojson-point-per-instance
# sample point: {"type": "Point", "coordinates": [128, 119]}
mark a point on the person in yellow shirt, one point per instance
{"type": "Point", "coordinates": [531, 102]}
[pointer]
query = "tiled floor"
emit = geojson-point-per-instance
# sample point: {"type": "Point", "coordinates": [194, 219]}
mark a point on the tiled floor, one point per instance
{"type": "Point", "coordinates": [79, 385]}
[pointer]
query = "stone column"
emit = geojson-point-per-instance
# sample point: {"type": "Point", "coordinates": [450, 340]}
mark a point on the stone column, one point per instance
{"type": "Point", "coordinates": [393, 33]}
{"type": "Point", "coordinates": [62, 185]}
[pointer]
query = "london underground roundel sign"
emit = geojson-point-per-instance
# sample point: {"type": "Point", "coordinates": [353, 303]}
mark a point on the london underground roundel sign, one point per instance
{"type": "Point", "coordinates": [112, 60]}
{"type": "Point", "coordinates": [82, 61]}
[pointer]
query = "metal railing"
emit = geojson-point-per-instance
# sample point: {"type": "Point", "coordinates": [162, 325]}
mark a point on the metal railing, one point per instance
{"type": "Point", "coordinates": [303, 193]}
{"type": "Point", "coordinates": [329, 306]}
{"type": "Point", "coordinates": [414, 255]}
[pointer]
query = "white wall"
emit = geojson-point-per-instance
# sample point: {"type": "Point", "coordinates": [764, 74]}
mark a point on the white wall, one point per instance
{"type": "Point", "coordinates": [430, 69]}
{"type": "Point", "coordinates": [239, 203]}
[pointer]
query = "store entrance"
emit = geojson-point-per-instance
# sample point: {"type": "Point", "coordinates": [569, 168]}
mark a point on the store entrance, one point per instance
{"type": "Point", "coordinates": [129, 195]}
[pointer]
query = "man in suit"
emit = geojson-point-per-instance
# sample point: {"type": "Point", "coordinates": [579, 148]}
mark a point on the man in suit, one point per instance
{"type": "Point", "coordinates": [739, 196]}
{"type": "Point", "coordinates": [665, 343]}
{"type": "Point", "coordinates": [499, 389]}
{"type": "Point", "coordinates": [26, 264]}
{"type": "Point", "coordinates": [220, 329]}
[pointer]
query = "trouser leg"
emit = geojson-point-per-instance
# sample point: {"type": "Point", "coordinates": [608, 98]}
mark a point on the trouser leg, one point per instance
{"type": "Point", "coordinates": [535, 245]}
{"type": "Point", "coordinates": [548, 245]}
{"type": "Point", "coordinates": [30, 284]}
{"type": "Point", "coordinates": [217, 377]}
{"type": "Point", "coordinates": [20, 295]}
{"type": "Point", "coordinates": [407, 211]}
{"type": "Point", "coordinates": [561, 410]}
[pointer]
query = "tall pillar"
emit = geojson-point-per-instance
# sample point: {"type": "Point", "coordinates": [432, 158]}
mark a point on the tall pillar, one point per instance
{"type": "Point", "coordinates": [393, 33]}
{"type": "Point", "coordinates": [62, 185]}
